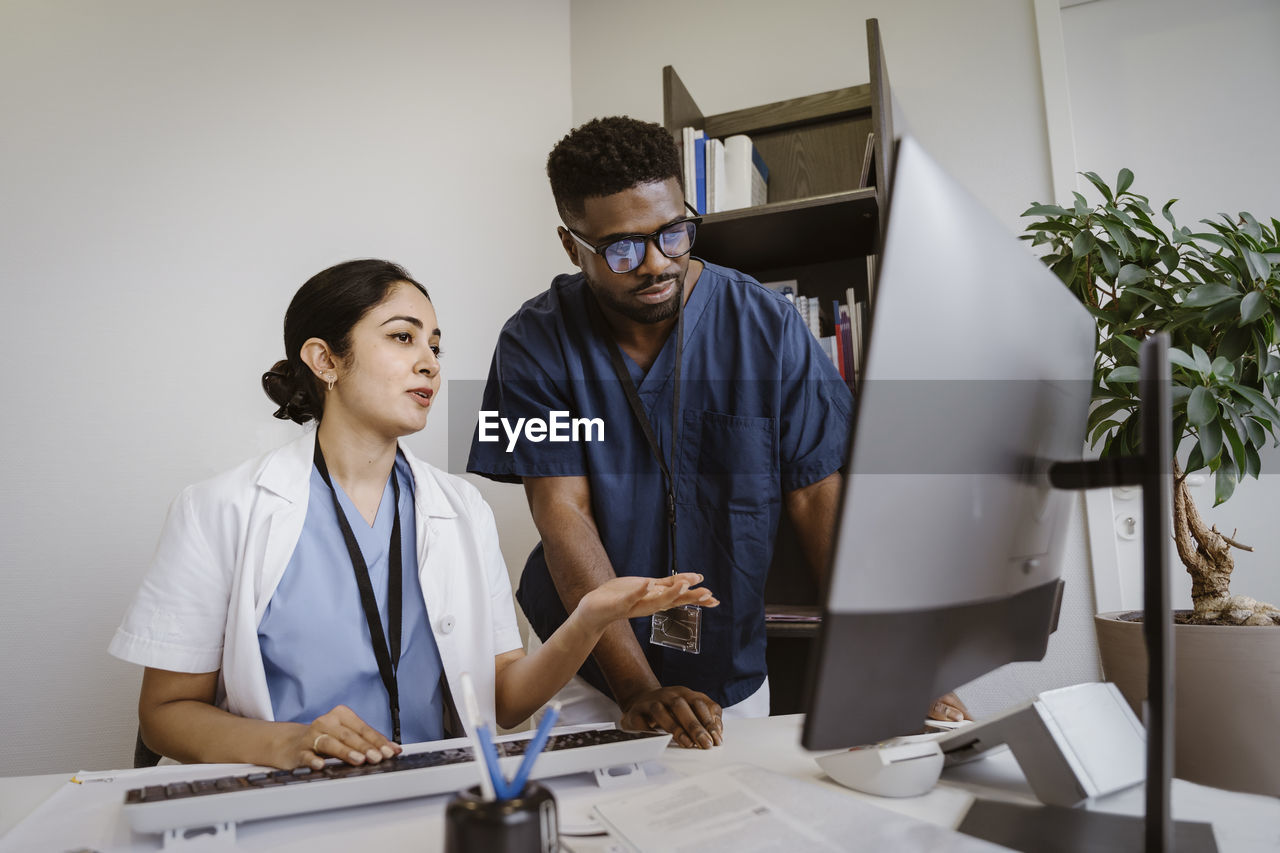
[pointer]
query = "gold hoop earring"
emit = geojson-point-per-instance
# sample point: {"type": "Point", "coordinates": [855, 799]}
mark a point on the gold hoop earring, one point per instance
{"type": "Point", "coordinates": [331, 379]}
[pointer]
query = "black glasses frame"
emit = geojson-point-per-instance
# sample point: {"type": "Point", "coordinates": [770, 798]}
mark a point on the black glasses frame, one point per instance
{"type": "Point", "coordinates": [646, 238]}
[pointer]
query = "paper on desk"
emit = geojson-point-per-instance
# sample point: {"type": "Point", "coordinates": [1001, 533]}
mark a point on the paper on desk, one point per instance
{"type": "Point", "coordinates": [741, 809]}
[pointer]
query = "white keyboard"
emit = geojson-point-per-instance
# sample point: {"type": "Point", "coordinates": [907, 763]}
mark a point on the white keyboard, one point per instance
{"type": "Point", "coordinates": [421, 770]}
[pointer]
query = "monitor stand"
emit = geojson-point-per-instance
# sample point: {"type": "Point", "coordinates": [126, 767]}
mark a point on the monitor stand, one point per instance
{"type": "Point", "coordinates": [1044, 829]}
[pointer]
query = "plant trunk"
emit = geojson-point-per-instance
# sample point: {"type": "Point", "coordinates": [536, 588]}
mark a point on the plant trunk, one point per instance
{"type": "Point", "coordinates": [1203, 550]}
{"type": "Point", "coordinates": [1206, 554]}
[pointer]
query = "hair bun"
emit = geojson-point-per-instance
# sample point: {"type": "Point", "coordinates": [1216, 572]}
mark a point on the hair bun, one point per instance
{"type": "Point", "coordinates": [288, 387]}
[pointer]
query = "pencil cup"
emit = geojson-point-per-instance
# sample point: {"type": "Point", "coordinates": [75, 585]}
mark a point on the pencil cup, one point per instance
{"type": "Point", "coordinates": [527, 823]}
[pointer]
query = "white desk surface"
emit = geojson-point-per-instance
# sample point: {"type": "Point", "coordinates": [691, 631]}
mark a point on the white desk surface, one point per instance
{"type": "Point", "coordinates": [1243, 823]}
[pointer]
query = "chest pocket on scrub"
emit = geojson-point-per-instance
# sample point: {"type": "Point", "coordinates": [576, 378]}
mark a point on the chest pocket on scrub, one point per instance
{"type": "Point", "coordinates": [728, 462]}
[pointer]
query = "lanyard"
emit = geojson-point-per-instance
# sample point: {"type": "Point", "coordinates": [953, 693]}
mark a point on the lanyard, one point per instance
{"type": "Point", "coordinates": [637, 408]}
{"type": "Point", "coordinates": [388, 661]}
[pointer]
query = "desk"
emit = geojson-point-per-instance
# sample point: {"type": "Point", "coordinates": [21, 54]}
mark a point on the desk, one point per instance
{"type": "Point", "coordinates": [1243, 823]}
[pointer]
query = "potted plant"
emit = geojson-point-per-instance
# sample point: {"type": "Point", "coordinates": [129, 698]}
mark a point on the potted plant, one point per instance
{"type": "Point", "coordinates": [1216, 292]}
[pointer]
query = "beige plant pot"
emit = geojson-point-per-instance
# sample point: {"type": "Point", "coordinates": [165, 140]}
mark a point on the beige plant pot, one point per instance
{"type": "Point", "coordinates": [1226, 703]}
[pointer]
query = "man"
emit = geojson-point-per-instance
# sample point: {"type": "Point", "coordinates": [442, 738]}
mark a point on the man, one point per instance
{"type": "Point", "coordinates": [763, 421]}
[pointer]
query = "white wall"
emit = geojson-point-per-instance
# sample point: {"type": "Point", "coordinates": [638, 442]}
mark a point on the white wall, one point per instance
{"type": "Point", "coordinates": [170, 174]}
{"type": "Point", "coordinates": [967, 79]}
{"type": "Point", "coordinates": [1183, 93]}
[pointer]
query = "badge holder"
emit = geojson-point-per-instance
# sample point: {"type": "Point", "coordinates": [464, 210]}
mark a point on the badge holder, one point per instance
{"type": "Point", "coordinates": [678, 628]}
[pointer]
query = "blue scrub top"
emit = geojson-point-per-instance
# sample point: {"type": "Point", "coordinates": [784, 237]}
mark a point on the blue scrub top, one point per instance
{"type": "Point", "coordinates": [314, 639]}
{"type": "Point", "coordinates": [763, 412]}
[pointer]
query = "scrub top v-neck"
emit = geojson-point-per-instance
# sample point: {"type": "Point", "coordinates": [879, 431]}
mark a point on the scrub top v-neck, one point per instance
{"type": "Point", "coordinates": [316, 646]}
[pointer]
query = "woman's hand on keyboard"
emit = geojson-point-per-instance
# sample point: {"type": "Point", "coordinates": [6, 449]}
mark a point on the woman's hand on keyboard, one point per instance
{"type": "Point", "coordinates": [340, 734]}
{"type": "Point", "coordinates": [632, 597]}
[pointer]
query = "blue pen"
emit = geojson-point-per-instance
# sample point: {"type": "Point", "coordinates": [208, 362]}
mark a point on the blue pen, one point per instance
{"type": "Point", "coordinates": [500, 785]}
{"type": "Point", "coordinates": [535, 748]}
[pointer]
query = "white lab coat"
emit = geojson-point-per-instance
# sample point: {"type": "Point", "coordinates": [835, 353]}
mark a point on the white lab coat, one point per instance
{"type": "Point", "coordinates": [226, 544]}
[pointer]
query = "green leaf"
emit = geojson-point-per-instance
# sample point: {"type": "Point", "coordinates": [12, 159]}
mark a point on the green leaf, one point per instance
{"type": "Point", "coordinates": [1131, 274]}
{"type": "Point", "coordinates": [1110, 260]}
{"type": "Point", "coordinates": [1110, 407]}
{"type": "Point", "coordinates": [1123, 374]}
{"type": "Point", "coordinates": [1237, 448]}
{"type": "Point", "coordinates": [1259, 264]}
{"type": "Point", "coordinates": [1234, 343]}
{"type": "Point", "coordinates": [1208, 294]}
{"type": "Point", "coordinates": [1129, 341]}
{"type": "Point", "coordinates": [1195, 459]}
{"type": "Point", "coordinates": [1100, 184]}
{"type": "Point", "coordinates": [1252, 462]}
{"type": "Point", "coordinates": [1124, 180]}
{"type": "Point", "coordinates": [1045, 210]}
{"type": "Point", "coordinates": [1083, 244]}
{"type": "Point", "coordinates": [1202, 360]}
{"type": "Point", "coordinates": [1081, 206]}
{"type": "Point", "coordinates": [1125, 219]}
{"type": "Point", "coordinates": [1223, 369]}
{"type": "Point", "coordinates": [1260, 403]}
{"type": "Point", "coordinates": [1101, 430]}
{"type": "Point", "coordinates": [1202, 408]}
{"type": "Point", "coordinates": [1253, 306]}
{"type": "Point", "coordinates": [1224, 312]}
{"type": "Point", "coordinates": [1215, 239]}
{"type": "Point", "coordinates": [1251, 226]}
{"type": "Point", "coordinates": [1272, 365]}
{"type": "Point", "coordinates": [1257, 435]}
{"type": "Point", "coordinates": [1224, 483]}
{"type": "Point", "coordinates": [1168, 214]}
{"type": "Point", "coordinates": [1064, 269]}
{"type": "Point", "coordinates": [1118, 234]}
{"type": "Point", "coordinates": [1181, 359]}
{"type": "Point", "coordinates": [1157, 297]}
{"type": "Point", "coordinates": [1211, 440]}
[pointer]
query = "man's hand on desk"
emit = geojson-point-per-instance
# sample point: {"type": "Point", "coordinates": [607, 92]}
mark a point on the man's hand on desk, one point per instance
{"type": "Point", "coordinates": [949, 707]}
{"type": "Point", "coordinates": [692, 718]}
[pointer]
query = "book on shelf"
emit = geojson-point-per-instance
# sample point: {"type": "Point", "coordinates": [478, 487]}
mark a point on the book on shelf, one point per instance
{"type": "Point", "coordinates": [746, 175]}
{"type": "Point", "coordinates": [722, 174]}
{"type": "Point", "coordinates": [688, 145]}
{"type": "Point", "coordinates": [715, 175]}
{"type": "Point", "coordinates": [867, 176]}
{"type": "Point", "coordinates": [700, 171]}
{"type": "Point", "coordinates": [844, 345]}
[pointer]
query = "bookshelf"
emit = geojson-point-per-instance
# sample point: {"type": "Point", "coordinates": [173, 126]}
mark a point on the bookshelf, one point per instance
{"type": "Point", "coordinates": [820, 224]}
{"type": "Point", "coordinates": [819, 228]}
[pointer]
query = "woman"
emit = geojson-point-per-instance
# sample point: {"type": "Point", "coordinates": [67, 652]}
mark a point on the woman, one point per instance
{"type": "Point", "coordinates": [268, 621]}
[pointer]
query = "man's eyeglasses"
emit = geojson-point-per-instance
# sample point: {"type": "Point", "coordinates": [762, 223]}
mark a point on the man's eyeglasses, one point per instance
{"type": "Point", "coordinates": [627, 253]}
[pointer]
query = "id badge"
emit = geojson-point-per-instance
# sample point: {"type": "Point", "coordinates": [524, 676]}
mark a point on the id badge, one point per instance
{"type": "Point", "coordinates": [679, 628]}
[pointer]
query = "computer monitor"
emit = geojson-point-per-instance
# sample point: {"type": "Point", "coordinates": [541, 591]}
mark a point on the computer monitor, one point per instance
{"type": "Point", "coordinates": [948, 556]}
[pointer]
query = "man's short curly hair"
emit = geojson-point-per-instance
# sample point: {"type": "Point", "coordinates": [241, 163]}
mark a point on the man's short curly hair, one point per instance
{"type": "Point", "coordinates": [606, 156]}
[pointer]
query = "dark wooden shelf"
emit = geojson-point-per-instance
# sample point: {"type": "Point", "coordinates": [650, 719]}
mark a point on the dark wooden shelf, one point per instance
{"type": "Point", "coordinates": [775, 626]}
{"type": "Point", "coordinates": [816, 230]}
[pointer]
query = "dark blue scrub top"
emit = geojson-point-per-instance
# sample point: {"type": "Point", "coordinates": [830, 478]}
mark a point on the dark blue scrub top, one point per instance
{"type": "Point", "coordinates": [763, 412]}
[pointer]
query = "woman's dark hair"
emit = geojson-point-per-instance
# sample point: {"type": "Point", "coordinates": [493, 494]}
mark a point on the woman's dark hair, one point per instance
{"type": "Point", "coordinates": [326, 307]}
{"type": "Point", "coordinates": [606, 156]}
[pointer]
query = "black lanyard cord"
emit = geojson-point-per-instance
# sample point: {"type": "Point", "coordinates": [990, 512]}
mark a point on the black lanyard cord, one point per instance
{"type": "Point", "coordinates": [637, 408]}
{"type": "Point", "coordinates": [388, 661]}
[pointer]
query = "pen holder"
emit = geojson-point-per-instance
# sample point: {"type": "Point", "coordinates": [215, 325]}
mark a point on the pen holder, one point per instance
{"type": "Point", "coordinates": [526, 823]}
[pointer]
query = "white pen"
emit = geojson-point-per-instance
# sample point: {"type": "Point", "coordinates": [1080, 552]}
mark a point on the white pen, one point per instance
{"type": "Point", "coordinates": [471, 708]}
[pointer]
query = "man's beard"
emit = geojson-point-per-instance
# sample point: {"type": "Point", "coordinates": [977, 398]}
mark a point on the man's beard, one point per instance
{"type": "Point", "coordinates": [640, 312]}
